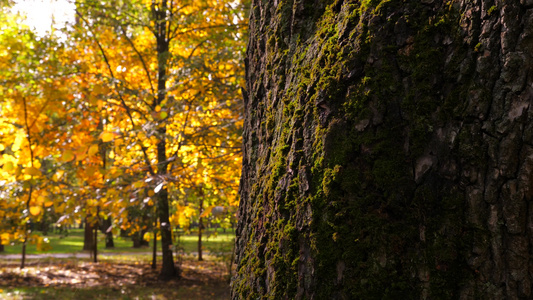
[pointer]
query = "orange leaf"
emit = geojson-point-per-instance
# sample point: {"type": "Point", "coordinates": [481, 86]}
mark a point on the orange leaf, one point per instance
{"type": "Point", "coordinates": [68, 155]}
{"type": "Point", "coordinates": [207, 211]}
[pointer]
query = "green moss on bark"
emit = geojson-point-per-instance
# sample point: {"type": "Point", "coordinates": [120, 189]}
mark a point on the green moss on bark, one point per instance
{"type": "Point", "coordinates": [356, 105]}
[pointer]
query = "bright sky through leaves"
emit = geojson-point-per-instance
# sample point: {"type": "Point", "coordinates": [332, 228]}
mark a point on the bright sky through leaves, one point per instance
{"type": "Point", "coordinates": [40, 13]}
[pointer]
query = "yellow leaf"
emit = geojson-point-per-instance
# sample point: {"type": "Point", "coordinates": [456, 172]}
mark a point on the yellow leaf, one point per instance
{"type": "Point", "coordinates": [48, 203]}
{"type": "Point", "coordinates": [35, 210]}
{"type": "Point", "coordinates": [17, 143]}
{"type": "Point", "coordinates": [67, 156]}
{"type": "Point", "coordinates": [2, 147]}
{"type": "Point", "coordinates": [32, 171]}
{"type": "Point", "coordinates": [9, 166]}
{"type": "Point", "coordinates": [4, 237]}
{"type": "Point", "coordinates": [93, 150]}
{"type": "Point", "coordinates": [107, 136]}
{"type": "Point", "coordinates": [37, 164]}
{"type": "Point", "coordinates": [97, 89]}
{"type": "Point", "coordinates": [58, 175]}
{"type": "Point", "coordinates": [61, 208]}
{"type": "Point", "coordinates": [91, 170]}
{"type": "Point", "coordinates": [40, 199]}
{"type": "Point", "coordinates": [207, 211]}
{"type": "Point", "coordinates": [158, 108]}
{"type": "Point", "coordinates": [146, 236]}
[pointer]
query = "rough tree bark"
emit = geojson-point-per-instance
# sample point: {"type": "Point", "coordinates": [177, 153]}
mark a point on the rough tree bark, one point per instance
{"type": "Point", "coordinates": [388, 151]}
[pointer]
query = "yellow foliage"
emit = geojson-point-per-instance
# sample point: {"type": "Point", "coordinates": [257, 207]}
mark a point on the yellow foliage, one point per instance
{"type": "Point", "coordinates": [147, 236]}
{"type": "Point", "coordinates": [5, 238]}
{"type": "Point", "coordinates": [32, 171]}
{"type": "Point", "coordinates": [35, 210]}
{"type": "Point", "coordinates": [75, 101]}
{"type": "Point", "coordinates": [107, 136]}
{"type": "Point", "coordinates": [93, 149]}
{"type": "Point", "coordinates": [207, 211]}
{"type": "Point", "coordinates": [68, 156]}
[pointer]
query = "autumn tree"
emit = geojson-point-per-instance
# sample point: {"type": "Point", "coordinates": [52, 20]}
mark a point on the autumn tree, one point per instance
{"type": "Point", "coordinates": [171, 71]}
{"type": "Point", "coordinates": [32, 88]}
{"type": "Point", "coordinates": [387, 151]}
{"type": "Point", "coordinates": [135, 99]}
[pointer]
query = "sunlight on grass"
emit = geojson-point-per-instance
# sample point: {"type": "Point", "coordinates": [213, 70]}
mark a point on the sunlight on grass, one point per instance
{"type": "Point", "coordinates": [78, 244]}
{"type": "Point", "coordinates": [73, 243]}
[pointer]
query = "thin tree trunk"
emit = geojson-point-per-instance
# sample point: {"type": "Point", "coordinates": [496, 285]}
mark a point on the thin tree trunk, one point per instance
{"type": "Point", "coordinates": [106, 228]}
{"type": "Point", "coordinates": [107, 223]}
{"type": "Point", "coordinates": [23, 259]}
{"type": "Point", "coordinates": [26, 232]}
{"type": "Point", "coordinates": [154, 249]}
{"type": "Point", "coordinates": [95, 244]}
{"type": "Point", "coordinates": [168, 269]}
{"type": "Point", "coordinates": [27, 228]}
{"type": "Point", "coordinates": [88, 237]}
{"type": "Point", "coordinates": [200, 230]}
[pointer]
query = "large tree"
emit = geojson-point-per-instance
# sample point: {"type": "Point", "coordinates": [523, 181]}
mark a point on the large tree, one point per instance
{"type": "Point", "coordinates": [388, 151]}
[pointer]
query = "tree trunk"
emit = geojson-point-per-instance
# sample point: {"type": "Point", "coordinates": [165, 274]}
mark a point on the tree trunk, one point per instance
{"type": "Point", "coordinates": [168, 269]}
{"type": "Point", "coordinates": [154, 250]}
{"type": "Point", "coordinates": [95, 244]}
{"type": "Point", "coordinates": [107, 225]}
{"type": "Point", "coordinates": [88, 237]}
{"type": "Point", "coordinates": [388, 151]}
{"type": "Point", "coordinates": [138, 239]}
{"type": "Point", "coordinates": [200, 231]}
{"type": "Point", "coordinates": [200, 227]}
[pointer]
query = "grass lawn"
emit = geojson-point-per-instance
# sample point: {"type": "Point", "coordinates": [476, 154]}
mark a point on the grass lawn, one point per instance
{"type": "Point", "coordinates": [73, 243]}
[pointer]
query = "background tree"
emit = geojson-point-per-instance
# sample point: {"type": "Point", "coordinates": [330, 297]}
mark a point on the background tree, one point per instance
{"type": "Point", "coordinates": [164, 63]}
{"type": "Point", "coordinates": [387, 151]}
{"type": "Point", "coordinates": [30, 92]}
{"type": "Point", "coordinates": [102, 120]}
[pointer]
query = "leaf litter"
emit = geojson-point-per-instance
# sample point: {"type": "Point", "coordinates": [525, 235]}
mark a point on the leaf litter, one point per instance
{"type": "Point", "coordinates": [206, 279]}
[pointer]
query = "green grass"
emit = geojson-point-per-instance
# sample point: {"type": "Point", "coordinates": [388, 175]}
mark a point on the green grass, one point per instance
{"type": "Point", "coordinates": [73, 243]}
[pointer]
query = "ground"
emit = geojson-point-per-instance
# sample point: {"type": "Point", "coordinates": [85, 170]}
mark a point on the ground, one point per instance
{"type": "Point", "coordinates": [66, 272]}
{"type": "Point", "coordinates": [120, 278]}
